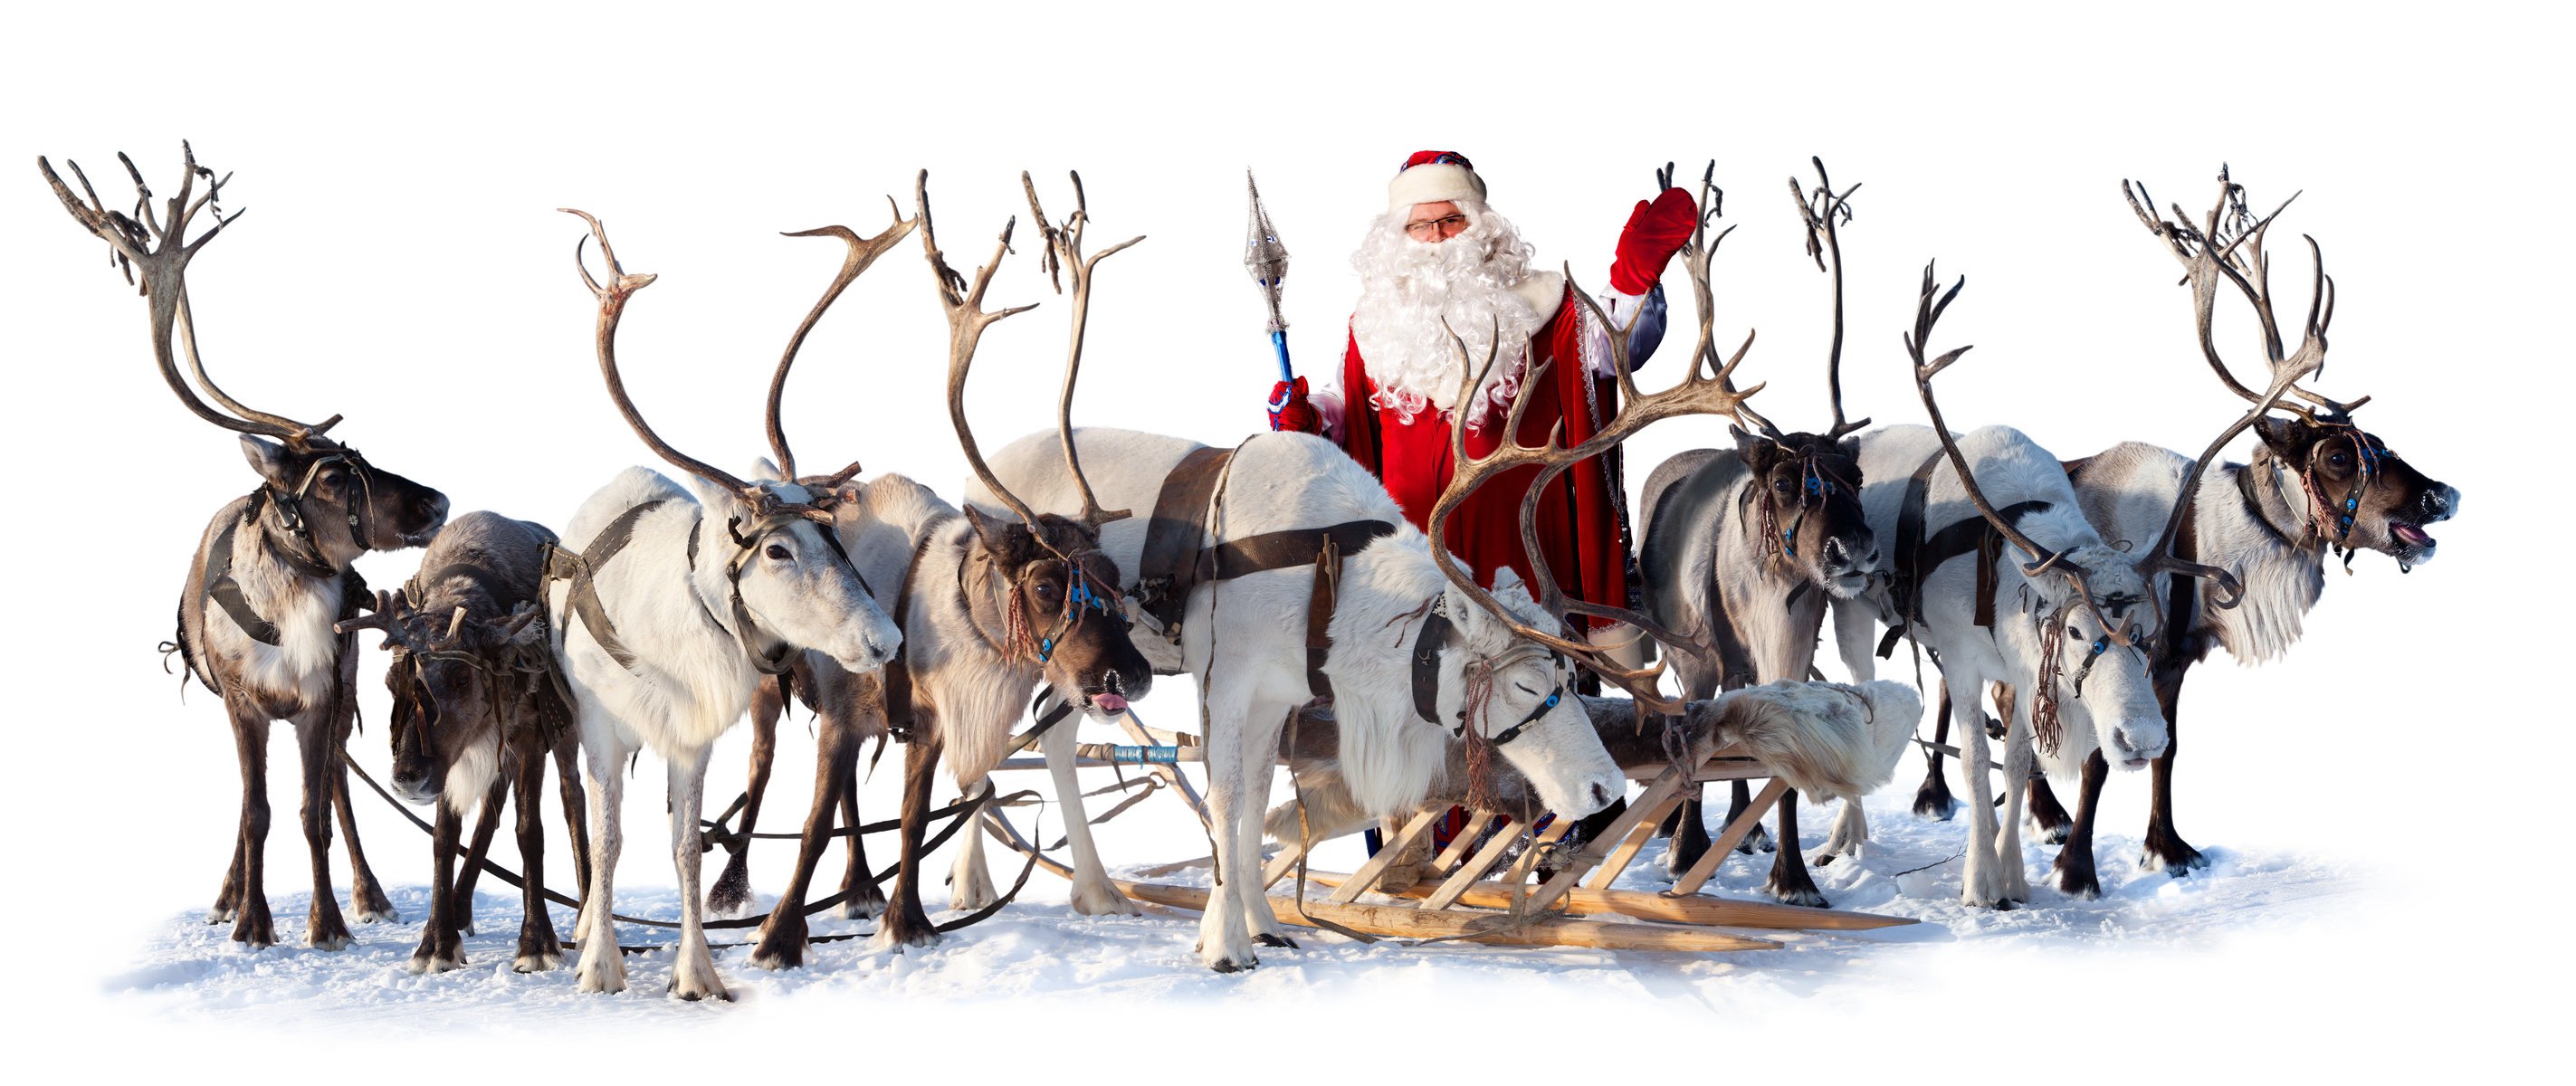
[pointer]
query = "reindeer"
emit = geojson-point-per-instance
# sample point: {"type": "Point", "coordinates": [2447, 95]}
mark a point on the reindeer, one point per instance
{"type": "Point", "coordinates": [671, 662]}
{"type": "Point", "coordinates": [1742, 548]}
{"type": "Point", "coordinates": [2077, 594]}
{"type": "Point", "coordinates": [989, 609]}
{"type": "Point", "coordinates": [1828, 739]}
{"type": "Point", "coordinates": [477, 709]}
{"type": "Point", "coordinates": [272, 570]}
{"type": "Point", "coordinates": [1411, 650]}
{"type": "Point", "coordinates": [2316, 481]}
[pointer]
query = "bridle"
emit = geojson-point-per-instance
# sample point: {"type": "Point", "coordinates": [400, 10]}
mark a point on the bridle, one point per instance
{"type": "Point", "coordinates": [2046, 729]}
{"type": "Point", "coordinates": [1817, 485]}
{"type": "Point", "coordinates": [290, 507]}
{"type": "Point", "coordinates": [1435, 637]}
{"type": "Point", "coordinates": [2367, 454]}
{"type": "Point", "coordinates": [1083, 594]}
{"type": "Point", "coordinates": [776, 659]}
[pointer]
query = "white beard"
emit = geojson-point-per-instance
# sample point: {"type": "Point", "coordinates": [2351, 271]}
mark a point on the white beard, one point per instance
{"type": "Point", "coordinates": [1407, 289]}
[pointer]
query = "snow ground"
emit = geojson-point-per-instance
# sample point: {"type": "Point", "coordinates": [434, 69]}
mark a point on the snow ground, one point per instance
{"type": "Point", "coordinates": [1038, 947]}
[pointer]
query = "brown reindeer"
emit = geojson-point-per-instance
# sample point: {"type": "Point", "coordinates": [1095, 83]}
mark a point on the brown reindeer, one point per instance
{"type": "Point", "coordinates": [478, 710]}
{"type": "Point", "coordinates": [2317, 481]}
{"type": "Point", "coordinates": [271, 571]}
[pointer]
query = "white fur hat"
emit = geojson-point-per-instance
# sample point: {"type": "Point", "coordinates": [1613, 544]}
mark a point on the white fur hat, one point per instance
{"type": "Point", "coordinates": [1431, 177]}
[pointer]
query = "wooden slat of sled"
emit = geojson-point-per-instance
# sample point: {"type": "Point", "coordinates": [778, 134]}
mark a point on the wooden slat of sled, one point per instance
{"type": "Point", "coordinates": [1689, 909]}
{"type": "Point", "coordinates": [1404, 921]}
{"type": "Point", "coordinates": [1458, 845]}
{"type": "Point", "coordinates": [1666, 785]}
{"type": "Point", "coordinates": [1698, 875]}
{"type": "Point", "coordinates": [1626, 853]}
{"type": "Point", "coordinates": [1387, 851]}
{"type": "Point", "coordinates": [1477, 865]}
{"type": "Point", "coordinates": [1281, 864]}
{"type": "Point", "coordinates": [1171, 774]}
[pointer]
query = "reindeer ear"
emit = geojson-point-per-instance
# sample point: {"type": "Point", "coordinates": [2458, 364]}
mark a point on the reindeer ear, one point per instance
{"type": "Point", "coordinates": [1758, 452]}
{"type": "Point", "coordinates": [762, 471]}
{"type": "Point", "coordinates": [995, 533]}
{"type": "Point", "coordinates": [720, 501]}
{"type": "Point", "coordinates": [268, 458]}
{"type": "Point", "coordinates": [2288, 438]}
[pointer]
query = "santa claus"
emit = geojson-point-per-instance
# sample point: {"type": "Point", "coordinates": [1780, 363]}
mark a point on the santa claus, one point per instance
{"type": "Point", "coordinates": [1440, 253]}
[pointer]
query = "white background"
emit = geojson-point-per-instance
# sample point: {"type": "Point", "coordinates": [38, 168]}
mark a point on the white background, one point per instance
{"type": "Point", "coordinates": [402, 264]}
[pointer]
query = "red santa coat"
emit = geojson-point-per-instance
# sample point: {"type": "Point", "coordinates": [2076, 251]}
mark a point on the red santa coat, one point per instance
{"type": "Point", "coordinates": [1582, 520]}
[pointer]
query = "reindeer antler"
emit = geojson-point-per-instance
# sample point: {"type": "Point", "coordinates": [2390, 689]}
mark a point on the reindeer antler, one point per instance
{"type": "Point", "coordinates": [131, 240]}
{"type": "Point", "coordinates": [1063, 252]}
{"type": "Point", "coordinates": [1706, 388]}
{"type": "Point", "coordinates": [2229, 245]}
{"type": "Point", "coordinates": [863, 252]}
{"type": "Point", "coordinates": [1927, 311]}
{"type": "Point", "coordinates": [1824, 212]}
{"type": "Point", "coordinates": [967, 318]}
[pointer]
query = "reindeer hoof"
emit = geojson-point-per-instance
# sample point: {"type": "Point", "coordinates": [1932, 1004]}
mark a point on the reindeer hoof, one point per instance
{"type": "Point", "coordinates": [1229, 965]}
{"type": "Point", "coordinates": [1267, 939]}
{"type": "Point", "coordinates": [867, 906]}
{"type": "Point", "coordinates": [1758, 840]}
{"type": "Point", "coordinates": [2085, 888]}
{"type": "Point", "coordinates": [538, 961]}
{"type": "Point", "coordinates": [730, 897]}
{"type": "Point", "coordinates": [605, 974]}
{"type": "Point", "coordinates": [433, 962]}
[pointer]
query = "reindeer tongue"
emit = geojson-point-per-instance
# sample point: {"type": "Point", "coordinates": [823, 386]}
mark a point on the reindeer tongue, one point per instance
{"type": "Point", "coordinates": [1110, 702]}
{"type": "Point", "coordinates": [2410, 534]}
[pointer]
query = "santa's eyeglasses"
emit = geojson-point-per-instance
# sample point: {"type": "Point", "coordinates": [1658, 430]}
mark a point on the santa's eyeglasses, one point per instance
{"type": "Point", "coordinates": [1443, 226]}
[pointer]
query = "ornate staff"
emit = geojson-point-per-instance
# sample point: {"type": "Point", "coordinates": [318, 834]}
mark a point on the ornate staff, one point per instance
{"type": "Point", "coordinates": [1267, 261]}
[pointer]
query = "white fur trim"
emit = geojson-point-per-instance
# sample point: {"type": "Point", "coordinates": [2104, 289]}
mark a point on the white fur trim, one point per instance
{"type": "Point", "coordinates": [1432, 183]}
{"type": "Point", "coordinates": [1544, 291]}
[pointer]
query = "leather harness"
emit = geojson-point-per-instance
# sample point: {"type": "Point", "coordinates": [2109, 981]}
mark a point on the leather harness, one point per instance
{"type": "Point", "coordinates": [582, 570]}
{"type": "Point", "coordinates": [1917, 556]}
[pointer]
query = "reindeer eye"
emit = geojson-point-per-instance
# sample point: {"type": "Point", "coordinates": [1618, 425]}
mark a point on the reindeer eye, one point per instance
{"type": "Point", "coordinates": [2071, 631]}
{"type": "Point", "coordinates": [1781, 485]}
{"type": "Point", "coordinates": [779, 554]}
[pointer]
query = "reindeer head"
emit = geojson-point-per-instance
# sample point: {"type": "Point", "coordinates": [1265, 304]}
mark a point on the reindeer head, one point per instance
{"type": "Point", "coordinates": [2348, 472]}
{"type": "Point", "coordinates": [1518, 695]}
{"type": "Point", "coordinates": [1807, 491]}
{"type": "Point", "coordinates": [324, 492]}
{"type": "Point", "coordinates": [457, 684]}
{"type": "Point", "coordinates": [2359, 494]}
{"type": "Point", "coordinates": [787, 582]}
{"type": "Point", "coordinates": [1060, 607]}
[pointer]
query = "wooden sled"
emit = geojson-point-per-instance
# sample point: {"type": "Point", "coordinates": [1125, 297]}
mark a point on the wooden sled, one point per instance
{"type": "Point", "coordinates": [1472, 900]}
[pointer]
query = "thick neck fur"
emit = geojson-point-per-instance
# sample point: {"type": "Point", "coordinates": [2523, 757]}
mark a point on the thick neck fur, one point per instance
{"type": "Point", "coordinates": [1390, 756]}
{"type": "Point", "coordinates": [296, 672]}
{"type": "Point", "coordinates": [1754, 584]}
{"type": "Point", "coordinates": [2283, 576]}
{"type": "Point", "coordinates": [972, 692]}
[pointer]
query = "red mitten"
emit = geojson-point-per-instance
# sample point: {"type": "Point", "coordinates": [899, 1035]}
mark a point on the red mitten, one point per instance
{"type": "Point", "coordinates": [1654, 233]}
{"type": "Point", "coordinates": [1290, 411]}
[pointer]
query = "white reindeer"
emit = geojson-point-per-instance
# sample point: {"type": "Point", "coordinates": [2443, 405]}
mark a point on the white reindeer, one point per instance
{"type": "Point", "coordinates": [669, 661]}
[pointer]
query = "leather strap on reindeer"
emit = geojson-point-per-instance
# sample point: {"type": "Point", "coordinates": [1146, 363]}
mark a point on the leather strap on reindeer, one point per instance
{"type": "Point", "coordinates": [1917, 556]}
{"type": "Point", "coordinates": [563, 565]}
{"type": "Point", "coordinates": [1173, 563]}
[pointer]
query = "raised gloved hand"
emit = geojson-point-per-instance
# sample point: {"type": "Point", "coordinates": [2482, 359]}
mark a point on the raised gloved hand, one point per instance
{"type": "Point", "coordinates": [1655, 231]}
{"type": "Point", "coordinates": [1290, 411]}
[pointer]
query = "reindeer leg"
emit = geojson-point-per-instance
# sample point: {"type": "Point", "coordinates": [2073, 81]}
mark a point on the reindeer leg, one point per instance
{"type": "Point", "coordinates": [539, 949]}
{"type": "Point", "coordinates": [1981, 884]}
{"type": "Point", "coordinates": [2073, 872]}
{"type": "Point", "coordinates": [486, 823]}
{"type": "Point", "coordinates": [904, 923]}
{"type": "Point", "coordinates": [1933, 799]}
{"type": "Point", "coordinates": [731, 895]}
{"type": "Point", "coordinates": [1260, 759]}
{"type": "Point", "coordinates": [323, 927]}
{"type": "Point", "coordinates": [567, 756]}
{"type": "Point", "coordinates": [440, 949]}
{"type": "Point", "coordinates": [1850, 835]}
{"type": "Point", "coordinates": [2166, 850]}
{"type": "Point", "coordinates": [1225, 942]}
{"type": "Point", "coordinates": [970, 878]}
{"type": "Point", "coordinates": [861, 898]}
{"type": "Point", "coordinates": [2019, 759]}
{"type": "Point", "coordinates": [1688, 828]}
{"type": "Point", "coordinates": [1790, 882]}
{"type": "Point", "coordinates": [367, 901]}
{"type": "Point", "coordinates": [693, 969]}
{"type": "Point", "coordinates": [782, 936]}
{"type": "Point", "coordinates": [2049, 821]}
{"type": "Point", "coordinates": [1740, 798]}
{"type": "Point", "coordinates": [1093, 894]}
{"type": "Point", "coordinates": [247, 886]}
{"type": "Point", "coordinates": [603, 966]}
